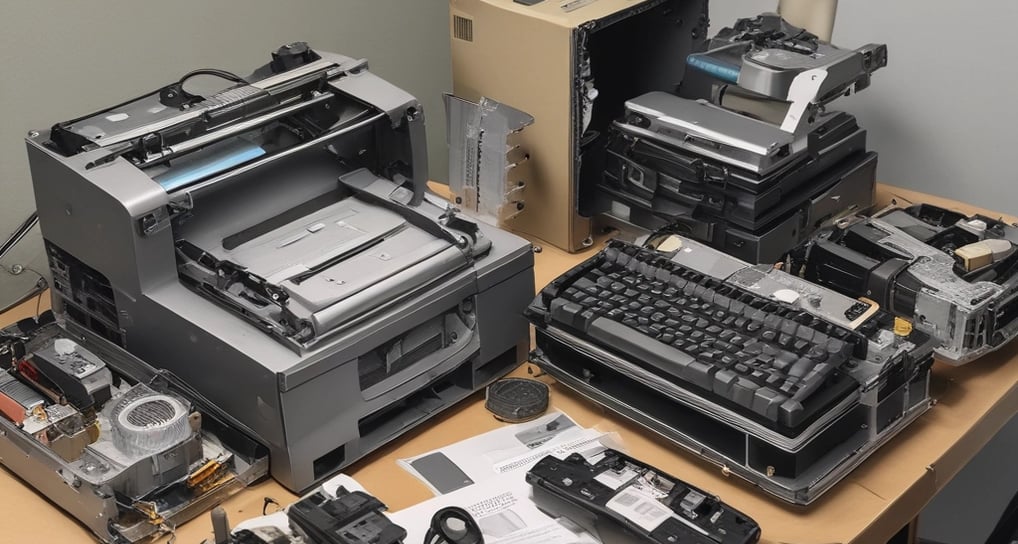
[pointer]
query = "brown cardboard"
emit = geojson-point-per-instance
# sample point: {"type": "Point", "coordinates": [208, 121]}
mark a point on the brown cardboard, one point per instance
{"type": "Point", "coordinates": [872, 504]}
{"type": "Point", "coordinates": [524, 56]}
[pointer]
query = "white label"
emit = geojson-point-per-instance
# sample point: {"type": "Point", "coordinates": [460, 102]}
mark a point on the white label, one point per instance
{"type": "Point", "coordinates": [615, 480]}
{"type": "Point", "coordinates": [642, 510]}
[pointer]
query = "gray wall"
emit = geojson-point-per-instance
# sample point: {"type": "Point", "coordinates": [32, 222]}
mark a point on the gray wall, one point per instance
{"type": "Point", "coordinates": [61, 59]}
{"type": "Point", "coordinates": [942, 114]}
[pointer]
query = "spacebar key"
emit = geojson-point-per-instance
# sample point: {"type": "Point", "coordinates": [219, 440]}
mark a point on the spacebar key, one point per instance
{"type": "Point", "coordinates": [640, 347]}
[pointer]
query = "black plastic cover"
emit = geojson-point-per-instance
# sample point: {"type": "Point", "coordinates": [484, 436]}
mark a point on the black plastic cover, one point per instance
{"type": "Point", "coordinates": [353, 517]}
{"type": "Point", "coordinates": [622, 500]}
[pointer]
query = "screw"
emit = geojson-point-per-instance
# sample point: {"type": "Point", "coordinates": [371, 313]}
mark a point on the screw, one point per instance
{"type": "Point", "coordinates": [17, 269]}
{"type": "Point", "coordinates": [567, 482]}
{"type": "Point", "coordinates": [33, 134]}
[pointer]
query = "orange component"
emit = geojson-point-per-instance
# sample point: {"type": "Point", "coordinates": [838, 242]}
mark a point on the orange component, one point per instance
{"type": "Point", "coordinates": [11, 409]}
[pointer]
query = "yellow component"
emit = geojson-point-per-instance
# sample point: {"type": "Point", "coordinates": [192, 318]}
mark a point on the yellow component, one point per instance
{"type": "Point", "coordinates": [979, 254]}
{"type": "Point", "coordinates": [902, 326]}
{"type": "Point", "coordinates": [149, 510]}
{"type": "Point", "coordinates": [212, 484]}
{"type": "Point", "coordinates": [204, 473]}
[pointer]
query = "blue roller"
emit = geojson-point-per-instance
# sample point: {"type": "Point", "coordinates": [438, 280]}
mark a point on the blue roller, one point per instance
{"type": "Point", "coordinates": [721, 70]}
{"type": "Point", "coordinates": [212, 161]}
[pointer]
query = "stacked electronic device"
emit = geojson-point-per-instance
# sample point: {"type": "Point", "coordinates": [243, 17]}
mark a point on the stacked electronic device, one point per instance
{"type": "Point", "coordinates": [761, 165]}
{"type": "Point", "coordinates": [782, 382]}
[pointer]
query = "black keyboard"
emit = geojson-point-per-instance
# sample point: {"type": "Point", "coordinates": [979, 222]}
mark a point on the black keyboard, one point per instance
{"type": "Point", "coordinates": [769, 361]}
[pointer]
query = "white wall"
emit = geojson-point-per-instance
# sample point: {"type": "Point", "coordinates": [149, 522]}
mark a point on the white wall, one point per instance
{"type": "Point", "coordinates": [64, 58]}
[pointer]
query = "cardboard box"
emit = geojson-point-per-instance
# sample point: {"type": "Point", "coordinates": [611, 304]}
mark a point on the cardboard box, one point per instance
{"type": "Point", "coordinates": [545, 59]}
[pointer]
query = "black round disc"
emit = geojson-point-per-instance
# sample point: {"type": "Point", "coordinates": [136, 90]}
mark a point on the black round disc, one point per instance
{"type": "Point", "coordinates": [517, 399]}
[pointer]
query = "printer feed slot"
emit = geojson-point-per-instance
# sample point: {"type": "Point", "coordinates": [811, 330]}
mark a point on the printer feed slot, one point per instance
{"type": "Point", "coordinates": [326, 464]}
{"type": "Point", "coordinates": [399, 416]}
{"type": "Point", "coordinates": [382, 369]}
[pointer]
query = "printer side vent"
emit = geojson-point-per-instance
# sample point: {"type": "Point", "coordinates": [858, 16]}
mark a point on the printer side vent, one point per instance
{"type": "Point", "coordinates": [86, 293]}
{"type": "Point", "coordinates": [462, 28]}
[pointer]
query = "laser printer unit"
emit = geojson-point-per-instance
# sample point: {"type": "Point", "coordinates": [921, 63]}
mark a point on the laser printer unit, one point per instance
{"type": "Point", "coordinates": [953, 276]}
{"type": "Point", "coordinates": [273, 244]}
{"type": "Point", "coordinates": [757, 167]}
{"type": "Point", "coordinates": [128, 451]}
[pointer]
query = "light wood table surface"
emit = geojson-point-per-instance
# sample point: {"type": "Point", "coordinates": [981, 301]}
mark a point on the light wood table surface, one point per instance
{"type": "Point", "coordinates": [869, 506]}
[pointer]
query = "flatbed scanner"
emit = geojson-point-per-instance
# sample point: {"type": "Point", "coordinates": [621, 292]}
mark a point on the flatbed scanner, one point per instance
{"type": "Point", "coordinates": [273, 245]}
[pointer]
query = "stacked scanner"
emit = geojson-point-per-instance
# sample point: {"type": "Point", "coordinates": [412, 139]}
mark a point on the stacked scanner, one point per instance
{"type": "Point", "coordinates": [761, 164]}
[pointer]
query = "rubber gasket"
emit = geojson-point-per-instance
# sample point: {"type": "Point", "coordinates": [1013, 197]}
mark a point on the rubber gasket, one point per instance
{"type": "Point", "coordinates": [516, 400]}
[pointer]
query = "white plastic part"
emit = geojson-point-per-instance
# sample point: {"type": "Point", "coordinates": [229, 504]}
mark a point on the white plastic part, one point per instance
{"type": "Point", "coordinates": [786, 295]}
{"type": "Point", "coordinates": [64, 346]}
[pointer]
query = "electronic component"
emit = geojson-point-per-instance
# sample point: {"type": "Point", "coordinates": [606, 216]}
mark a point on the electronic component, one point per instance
{"type": "Point", "coordinates": [771, 58]}
{"type": "Point", "coordinates": [747, 366]}
{"type": "Point", "coordinates": [749, 184]}
{"type": "Point", "coordinates": [951, 276]}
{"type": "Point", "coordinates": [135, 458]}
{"type": "Point", "coordinates": [621, 500]}
{"type": "Point", "coordinates": [321, 517]}
{"type": "Point", "coordinates": [279, 232]}
{"type": "Point", "coordinates": [516, 400]}
{"type": "Point", "coordinates": [352, 517]}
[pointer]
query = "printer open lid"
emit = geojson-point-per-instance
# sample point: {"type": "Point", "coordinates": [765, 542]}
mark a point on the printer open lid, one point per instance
{"type": "Point", "coordinates": [295, 196]}
{"type": "Point", "coordinates": [302, 99]}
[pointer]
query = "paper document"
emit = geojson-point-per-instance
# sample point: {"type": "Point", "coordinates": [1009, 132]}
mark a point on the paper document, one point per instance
{"type": "Point", "coordinates": [505, 449]}
{"type": "Point", "coordinates": [503, 510]}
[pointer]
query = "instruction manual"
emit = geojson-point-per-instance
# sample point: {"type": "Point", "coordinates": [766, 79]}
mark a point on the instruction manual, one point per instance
{"type": "Point", "coordinates": [503, 510]}
{"type": "Point", "coordinates": [513, 448]}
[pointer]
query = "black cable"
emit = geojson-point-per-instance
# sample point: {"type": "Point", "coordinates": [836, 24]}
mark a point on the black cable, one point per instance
{"type": "Point", "coordinates": [19, 234]}
{"type": "Point", "coordinates": [38, 302]}
{"type": "Point", "coordinates": [223, 74]}
{"type": "Point", "coordinates": [265, 505]}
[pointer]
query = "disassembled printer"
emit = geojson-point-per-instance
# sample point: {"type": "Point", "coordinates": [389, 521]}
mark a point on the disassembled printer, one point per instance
{"type": "Point", "coordinates": [951, 276]}
{"type": "Point", "coordinates": [757, 168]}
{"type": "Point", "coordinates": [622, 500]}
{"type": "Point", "coordinates": [127, 450]}
{"type": "Point", "coordinates": [784, 383]}
{"type": "Point", "coordinates": [273, 245]}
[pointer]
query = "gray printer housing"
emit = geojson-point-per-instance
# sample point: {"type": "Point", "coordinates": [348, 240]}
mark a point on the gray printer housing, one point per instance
{"type": "Point", "coordinates": [449, 325]}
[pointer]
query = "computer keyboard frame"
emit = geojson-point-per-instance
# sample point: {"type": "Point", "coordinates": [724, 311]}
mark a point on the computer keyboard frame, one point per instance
{"type": "Point", "coordinates": [892, 388]}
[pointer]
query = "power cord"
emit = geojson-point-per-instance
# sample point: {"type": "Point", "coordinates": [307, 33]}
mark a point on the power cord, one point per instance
{"type": "Point", "coordinates": [41, 284]}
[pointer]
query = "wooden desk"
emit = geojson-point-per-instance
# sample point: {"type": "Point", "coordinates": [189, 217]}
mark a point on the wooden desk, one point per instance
{"type": "Point", "coordinates": [872, 504]}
